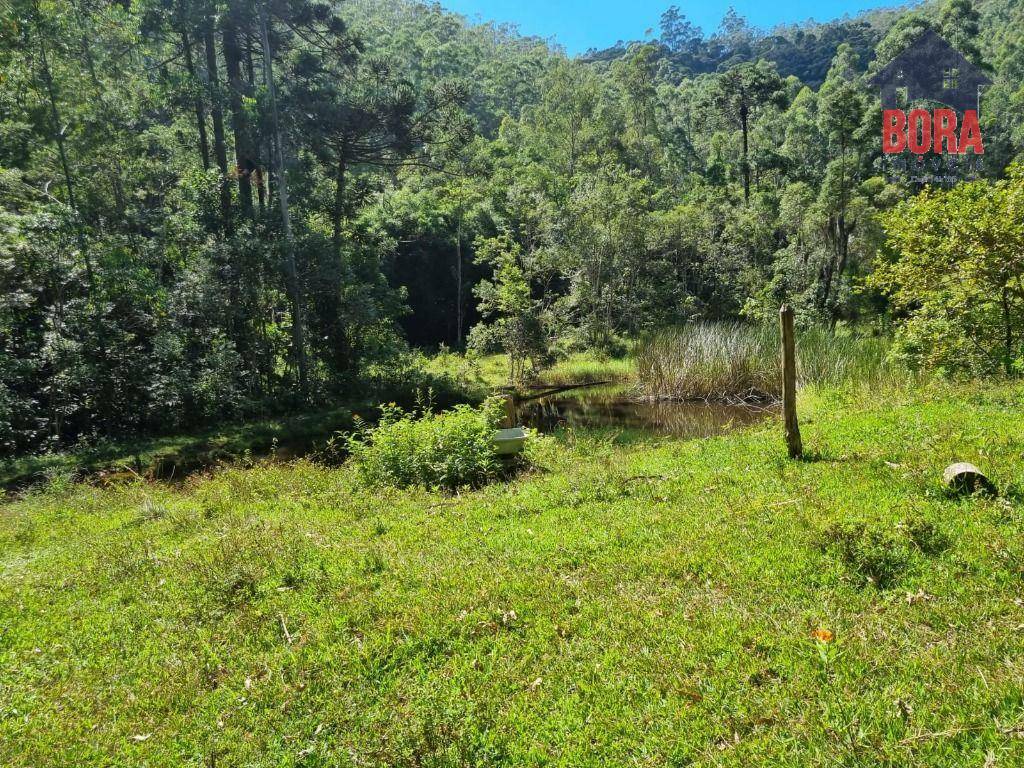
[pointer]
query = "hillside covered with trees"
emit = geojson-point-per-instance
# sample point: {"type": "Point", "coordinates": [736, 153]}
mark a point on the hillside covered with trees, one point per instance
{"type": "Point", "coordinates": [217, 210]}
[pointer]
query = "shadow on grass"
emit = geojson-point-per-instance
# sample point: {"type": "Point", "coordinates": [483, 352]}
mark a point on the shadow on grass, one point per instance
{"type": "Point", "coordinates": [822, 457]}
{"type": "Point", "coordinates": [1013, 493]}
{"type": "Point", "coordinates": [175, 458]}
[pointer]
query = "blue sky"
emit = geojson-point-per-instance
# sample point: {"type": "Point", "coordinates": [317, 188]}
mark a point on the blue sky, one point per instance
{"type": "Point", "coordinates": [582, 24]}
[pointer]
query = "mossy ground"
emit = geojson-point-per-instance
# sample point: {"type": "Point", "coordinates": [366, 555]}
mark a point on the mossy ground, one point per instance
{"type": "Point", "coordinates": [631, 601]}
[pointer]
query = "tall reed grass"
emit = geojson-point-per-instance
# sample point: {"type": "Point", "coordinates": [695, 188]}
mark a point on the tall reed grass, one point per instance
{"type": "Point", "coordinates": [724, 361]}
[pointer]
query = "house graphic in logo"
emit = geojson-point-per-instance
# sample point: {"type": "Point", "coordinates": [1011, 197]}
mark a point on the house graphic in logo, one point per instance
{"type": "Point", "coordinates": [930, 69]}
{"type": "Point", "coordinates": [930, 128]}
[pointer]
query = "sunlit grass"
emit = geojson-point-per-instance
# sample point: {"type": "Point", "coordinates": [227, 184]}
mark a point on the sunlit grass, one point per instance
{"type": "Point", "coordinates": [705, 603]}
{"type": "Point", "coordinates": [492, 371]}
{"type": "Point", "coordinates": [470, 370]}
{"type": "Point", "coordinates": [588, 366]}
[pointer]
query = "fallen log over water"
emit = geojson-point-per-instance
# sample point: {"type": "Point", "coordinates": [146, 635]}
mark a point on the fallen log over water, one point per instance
{"type": "Point", "coordinates": [549, 390]}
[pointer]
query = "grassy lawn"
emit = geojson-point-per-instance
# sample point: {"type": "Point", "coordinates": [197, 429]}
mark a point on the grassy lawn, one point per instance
{"type": "Point", "coordinates": [491, 371]}
{"type": "Point", "coordinates": [632, 601]}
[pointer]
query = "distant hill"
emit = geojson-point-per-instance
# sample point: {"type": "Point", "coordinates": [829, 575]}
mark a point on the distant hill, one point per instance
{"type": "Point", "coordinates": [804, 49]}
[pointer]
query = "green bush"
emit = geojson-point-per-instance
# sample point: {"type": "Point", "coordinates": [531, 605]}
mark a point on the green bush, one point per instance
{"type": "Point", "coordinates": [871, 556]}
{"type": "Point", "coordinates": [446, 450]}
{"type": "Point", "coordinates": [953, 271]}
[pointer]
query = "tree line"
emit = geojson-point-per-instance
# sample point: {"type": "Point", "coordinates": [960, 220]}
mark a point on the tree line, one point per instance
{"type": "Point", "coordinates": [217, 209]}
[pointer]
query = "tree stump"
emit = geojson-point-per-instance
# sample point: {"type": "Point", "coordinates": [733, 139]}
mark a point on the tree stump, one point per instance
{"type": "Point", "coordinates": [966, 478]}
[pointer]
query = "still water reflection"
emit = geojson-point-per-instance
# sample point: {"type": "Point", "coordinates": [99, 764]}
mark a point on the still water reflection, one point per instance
{"type": "Point", "coordinates": [614, 409]}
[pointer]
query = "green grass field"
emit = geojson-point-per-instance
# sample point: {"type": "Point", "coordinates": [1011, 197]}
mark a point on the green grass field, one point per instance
{"type": "Point", "coordinates": [490, 371]}
{"type": "Point", "coordinates": [630, 601]}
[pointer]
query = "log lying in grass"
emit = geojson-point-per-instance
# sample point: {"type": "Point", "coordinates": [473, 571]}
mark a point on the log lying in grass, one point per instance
{"type": "Point", "coordinates": [963, 477]}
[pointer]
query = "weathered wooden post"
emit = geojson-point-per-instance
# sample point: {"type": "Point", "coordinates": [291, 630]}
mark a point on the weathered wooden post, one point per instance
{"type": "Point", "coordinates": [790, 423]}
{"type": "Point", "coordinates": [510, 411]}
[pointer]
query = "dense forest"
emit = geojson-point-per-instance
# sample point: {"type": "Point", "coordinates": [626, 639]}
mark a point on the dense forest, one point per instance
{"type": "Point", "coordinates": [212, 210]}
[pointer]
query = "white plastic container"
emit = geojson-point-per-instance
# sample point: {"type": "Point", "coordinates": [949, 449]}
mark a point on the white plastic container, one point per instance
{"type": "Point", "coordinates": [509, 442]}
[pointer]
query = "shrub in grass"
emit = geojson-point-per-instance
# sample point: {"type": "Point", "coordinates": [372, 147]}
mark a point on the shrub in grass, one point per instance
{"type": "Point", "coordinates": [407, 377]}
{"type": "Point", "coordinates": [445, 450]}
{"type": "Point", "coordinates": [871, 556]}
{"type": "Point", "coordinates": [928, 538]}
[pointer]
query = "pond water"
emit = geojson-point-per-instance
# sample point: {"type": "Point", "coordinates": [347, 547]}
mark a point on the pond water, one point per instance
{"type": "Point", "coordinates": [615, 409]}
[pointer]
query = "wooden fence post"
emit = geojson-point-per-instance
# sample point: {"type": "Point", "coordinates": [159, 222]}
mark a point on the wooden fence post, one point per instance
{"type": "Point", "coordinates": [790, 423]}
{"type": "Point", "coordinates": [511, 415]}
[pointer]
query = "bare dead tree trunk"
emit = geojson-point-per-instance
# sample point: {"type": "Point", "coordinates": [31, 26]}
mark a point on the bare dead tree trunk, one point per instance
{"type": "Point", "coordinates": [291, 272]}
{"type": "Point", "coordinates": [256, 177]}
{"type": "Point", "coordinates": [1007, 331]}
{"type": "Point", "coordinates": [217, 114]}
{"type": "Point", "coordinates": [106, 388]}
{"type": "Point", "coordinates": [339, 200]}
{"type": "Point", "coordinates": [69, 184]}
{"type": "Point", "coordinates": [204, 143]}
{"type": "Point", "coordinates": [239, 122]}
{"type": "Point", "coordinates": [744, 111]}
{"type": "Point", "coordinates": [458, 283]}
